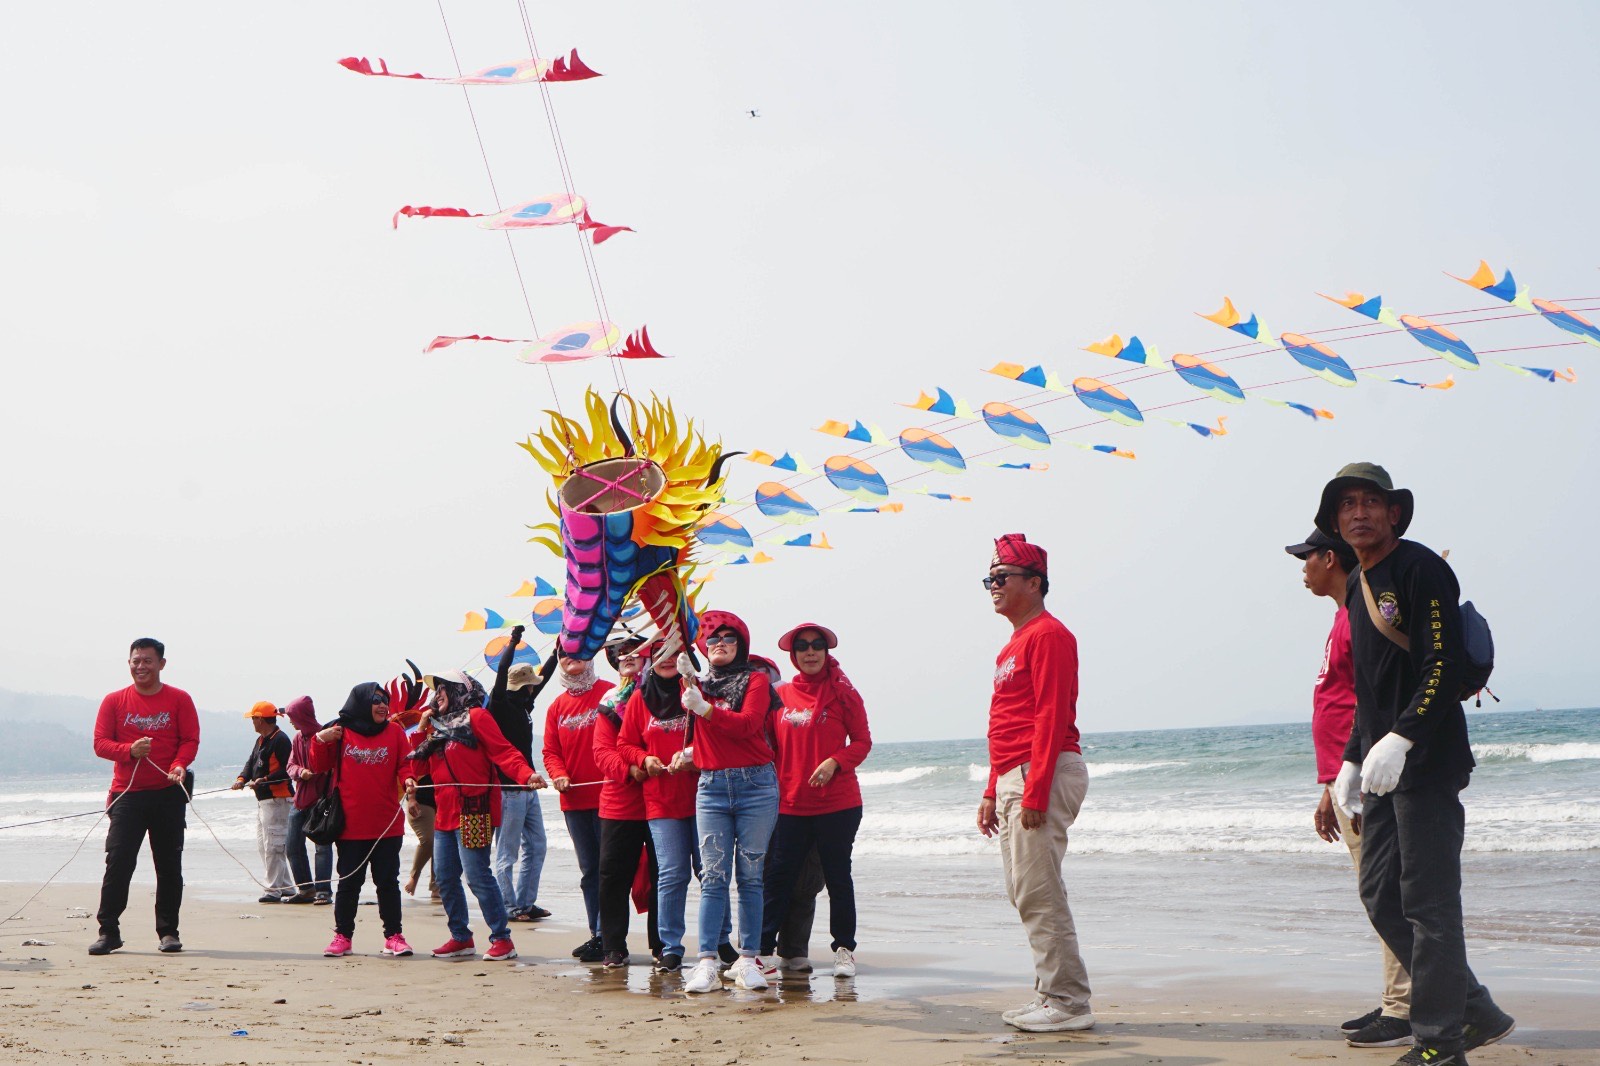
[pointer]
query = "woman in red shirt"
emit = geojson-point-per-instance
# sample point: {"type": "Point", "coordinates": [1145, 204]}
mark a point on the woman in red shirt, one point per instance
{"type": "Point", "coordinates": [366, 753]}
{"type": "Point", "coordinates": [821, 735]}
{"type": "Point", "coordinates": [568, 758]}
{"type": "Point", "coordinates": [460, 745]}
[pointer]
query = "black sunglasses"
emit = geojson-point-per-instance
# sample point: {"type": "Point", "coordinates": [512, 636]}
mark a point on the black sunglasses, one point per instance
{"type": "Point", "coordinates": [820, 644]}
{"type": "Point", "coordinates": [994, 581]}
{"type": "Point", "coordinates": [721, 638]}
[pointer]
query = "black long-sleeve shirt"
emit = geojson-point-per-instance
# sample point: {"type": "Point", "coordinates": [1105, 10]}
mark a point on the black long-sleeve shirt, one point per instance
{"type": "Point", "coordinates": [513, 711]}
{"type": "Point", "coordinates": [268, 765]}
{"type": "Point", "coordinates": [1416, 693]}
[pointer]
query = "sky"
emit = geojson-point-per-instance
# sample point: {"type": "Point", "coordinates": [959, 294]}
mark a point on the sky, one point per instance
{"type": "Point", "coordinates": [222, 430]}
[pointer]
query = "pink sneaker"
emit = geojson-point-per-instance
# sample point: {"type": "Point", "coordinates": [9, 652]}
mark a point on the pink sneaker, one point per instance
{"type": "Point", "coordinates": [396, 946]}
{"type": "Point", "coordinates": [338, 947]}
{"type": "Point", "coordinates": [500, 951]}
{"type": "Point", "coordinates": [455, 949]}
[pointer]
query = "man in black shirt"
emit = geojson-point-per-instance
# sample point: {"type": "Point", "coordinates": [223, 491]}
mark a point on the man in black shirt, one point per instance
{"type": "Point", "coordinates": [1408, 759]}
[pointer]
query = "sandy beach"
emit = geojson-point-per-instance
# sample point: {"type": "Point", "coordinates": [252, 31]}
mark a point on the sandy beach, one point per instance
{"type": "Point", "coordinates": [254, 971]}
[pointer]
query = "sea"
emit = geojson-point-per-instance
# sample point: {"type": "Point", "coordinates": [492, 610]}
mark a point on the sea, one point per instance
{"type": "Point", "coordinates": [1194, 855]}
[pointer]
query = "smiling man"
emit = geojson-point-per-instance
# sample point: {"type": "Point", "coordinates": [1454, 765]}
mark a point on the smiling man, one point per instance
{"type": "Point", "coordinates": [1037, 781]}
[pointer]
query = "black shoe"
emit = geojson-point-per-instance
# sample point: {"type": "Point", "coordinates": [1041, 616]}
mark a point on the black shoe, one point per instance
{"type": "Point", "coordinates": [593, 951]}
{"type": "Point", "coordinates": [587, 946]}
{"type": "Point", "coordinates": [727, 953]}
{"type": "Point", "coordinates": [107, 943]}
{"type": "Point", "coordinates": [1493, 1027]}
{"type": "Point", "coordinates": [669, 964]}
{"type": "Point", "coordinates": [1355, 1025]}
{"type": "Point", "coordinates": [270, 897]}
{"type": "Point", "coordinates": [301, 897]}
{"type": "Point", "coordinates": [1430, 1056]}
{"type": "Point", "coordinates": [537, 913]}
{"type": "Point", "coordinates": [616, 960]}
{"type": "Point", "coordinates": [171, 945]}
{"type": "Point", "coordinates": [1385, 1032]}
{"type": "Point", "coordinates": [322, 899]}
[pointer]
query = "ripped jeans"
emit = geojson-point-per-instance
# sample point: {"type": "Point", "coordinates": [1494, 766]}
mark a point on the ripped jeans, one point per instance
{"type": "Point", "coordinates": [735, 812]}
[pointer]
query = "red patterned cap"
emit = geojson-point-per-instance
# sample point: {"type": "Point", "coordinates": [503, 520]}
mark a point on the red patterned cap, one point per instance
{"type": "Point", "coordinates": [1013, 549]}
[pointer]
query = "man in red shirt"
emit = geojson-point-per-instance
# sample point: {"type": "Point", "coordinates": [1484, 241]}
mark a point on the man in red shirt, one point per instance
{"type": "Point", "coordinates": [150, 732]}
{"type": "Point", "coordinates": [1329, 562]}
{"type": "Point", "coordinates": [1037, 781]}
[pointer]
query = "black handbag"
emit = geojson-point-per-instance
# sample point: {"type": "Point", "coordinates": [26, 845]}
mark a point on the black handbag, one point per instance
{"type": "Point", "coordinates": [325, 818]}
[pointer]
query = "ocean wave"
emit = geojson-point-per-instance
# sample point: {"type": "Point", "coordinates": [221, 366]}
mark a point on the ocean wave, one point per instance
{"type": "Point", "coordinates": [870, 778]}
{"type": "Point", "coordinates": [1566, 752]}
{"type": "Point", "coordinates": [977, 772]}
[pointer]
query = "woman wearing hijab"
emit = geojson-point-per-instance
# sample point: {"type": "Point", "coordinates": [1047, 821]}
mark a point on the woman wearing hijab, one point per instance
{"type": "Point", "coordinates": [568, 758]}
{"type": "Point", "coordinates": [365, 753]}
{"type": "Point", "coordinates": [624, 827]}
{"type": "Point", "coordinates": [821, 736]}
{"type": "Point", "coordinates": [737, 802]}
{"type": "Point", "coordinates": [461, 746]}
{"type": "Point", "coordinates": [309, 786]}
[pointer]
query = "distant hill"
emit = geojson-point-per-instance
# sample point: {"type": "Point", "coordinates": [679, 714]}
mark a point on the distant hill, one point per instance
{"type": "Point", "coordinates": [44, 734]}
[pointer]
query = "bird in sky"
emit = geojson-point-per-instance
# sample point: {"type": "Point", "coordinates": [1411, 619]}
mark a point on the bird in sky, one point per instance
{"type": "Point", "coordinates": [754, 113]}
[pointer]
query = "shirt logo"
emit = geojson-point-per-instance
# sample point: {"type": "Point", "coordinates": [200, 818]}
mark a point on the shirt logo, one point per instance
{"type": "Point", "coordinates": [368, 756]}
{"type": "Point", "coordinates": [800, 716]}
{"type": "Point", "coordinates": [1004, 672]}
{"type": "Point", "coordinates": [148, 722]}
{"type": "Point", "coordinates": [1327, 661]}
{"type": "Point", "coordinates": [1389, 608]}
{"type": "Point", "coordinates": [581, 720]}
{"type": "Point", "coordinates": [669, 725]}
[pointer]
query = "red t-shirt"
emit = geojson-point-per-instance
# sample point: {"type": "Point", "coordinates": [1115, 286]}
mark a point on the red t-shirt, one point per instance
{"type": "Point", "coordinates": [1033, 714]}
{"type": "Point", "coordinates": [734, 737]}
{"type": "Point", "coordinates": [810, 728]}
{"type": "Point", "coordinates": [1333, 701]}
{"type": "Point", "coordinates": [168, 718]}
{"type": "Point", "coordinates": [569, 744]}
{"type": "Point", "coordinates": [459, 770]}
{"type": "Point", "coordinates": [621, 797]}
{"type": "Point", "coordinates": [670, 795]}
{"type": "Point", "coordinates": [371, 775]}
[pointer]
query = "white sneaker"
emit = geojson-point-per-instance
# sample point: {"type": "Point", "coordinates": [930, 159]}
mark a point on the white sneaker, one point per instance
{"type": "Point", "coordinates": [704, 977]}
{"type": "Point", "coordinates": [771, 968]}
{"type": "Point", "coordinates": [844, 963]}
{"type": "Point", "coordinates": [1048, 1018]}
{"type": "Point", "coordinates": [795, 964]}
{"type": "Point", "coordinates": [1027, 1008]}
{"type": "Point", "coordinates": [747, 974]}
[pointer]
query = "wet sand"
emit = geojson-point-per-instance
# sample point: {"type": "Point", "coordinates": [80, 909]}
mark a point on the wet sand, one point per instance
{"type": "Point", "coordinates": [258, 969]}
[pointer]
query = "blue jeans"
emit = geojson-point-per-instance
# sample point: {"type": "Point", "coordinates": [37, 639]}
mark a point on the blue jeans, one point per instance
{"type": "Point", "coordinates": [677, 855]}
{"type": "Point", "coordinates": [298, 864]}
{"type": "Point", "coordinates": [584, 829]}
{"type": "Point", "coordinates": [734, 815]}
{"type": "Point", "coordinates": [519, 842]}
{"type": "Point", "coordinates": [450, 861]}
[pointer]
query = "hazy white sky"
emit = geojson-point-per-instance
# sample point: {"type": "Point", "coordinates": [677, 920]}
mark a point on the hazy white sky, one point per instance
{"type": "Point", "coordinates": [220, 429]}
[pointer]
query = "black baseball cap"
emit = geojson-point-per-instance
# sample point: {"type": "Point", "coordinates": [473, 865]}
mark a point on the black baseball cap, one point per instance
{"type": "Point", "coordinates": [1318, 541]}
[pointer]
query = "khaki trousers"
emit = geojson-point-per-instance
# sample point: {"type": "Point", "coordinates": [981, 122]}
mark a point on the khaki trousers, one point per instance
{"type": "Point", "coordinates": [1032, 859]}
{"type": "Point", "coordinates": [1396, 982]}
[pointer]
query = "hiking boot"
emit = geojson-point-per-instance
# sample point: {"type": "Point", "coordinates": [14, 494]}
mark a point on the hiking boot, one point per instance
{"type": "Point", "coordinates": [455, 949]}
{"type": "Point", "coordinates": [1355, 1025]}
{"type": "Point", "coordinates": [704, 977]}
{"type": "Point", "coordinates": [616, 960]}
{"type": "Point", "coordinates": [500, 951]}
{"type": "Point", "coordinates": [1049, 1018]}
{"type": "Point", "coordinates": [1386, 1031]}
{"type": "Point", "coordinates": [170, 945]}
{"type": "Point", "coordinates": [1430, 1056]}
{"type": "Point", "coordinates": [338, 947]}
{"type": "Point", "coordinates": [669, 964]}
{"type": "Point", "coordinates": [106, 944]}
{"type": "Point", "coordinates": [1490, 1028]}
{"type": "Point", "coordinates": [592, 950]}
{"type": "Point", "coordinates": [396, 945]}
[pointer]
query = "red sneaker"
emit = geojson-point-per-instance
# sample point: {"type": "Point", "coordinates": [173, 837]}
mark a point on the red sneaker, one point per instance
{"type": "Point", "coordinates": [500, 951]}
{"type": "Point", "coordinates": [455, 949]}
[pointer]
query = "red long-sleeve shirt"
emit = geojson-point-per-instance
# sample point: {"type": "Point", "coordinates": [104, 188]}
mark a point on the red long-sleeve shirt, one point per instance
{"type": "Point", "coordinates": [372, 772]}
{"type": "Point", "coordinates": [807, 732]}
{"type": "Point", "coordinates": [621, 797]}
{"type": "Point", "coordinates": [168, 718]}
{"type": "Point", "coordinates": [459, 770]}
{"type": "Point", "coordinates": [642, 734]}
{"type": "Point", "coordinates": [569, 744]}
{"type": "Point", "coordinates": [734, 737]}
{"type": "Point", "coordinates": [1033, 714]}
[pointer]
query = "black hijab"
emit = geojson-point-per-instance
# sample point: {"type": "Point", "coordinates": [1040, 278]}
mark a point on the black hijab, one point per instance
{"type": "Point", "coordinates": [663, 696]}
{"type": "Point", "coordinates": [356, 714]}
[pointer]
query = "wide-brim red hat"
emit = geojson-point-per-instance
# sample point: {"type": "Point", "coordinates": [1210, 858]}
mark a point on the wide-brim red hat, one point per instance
{"type": "Point", "coordinates": [786, 642]}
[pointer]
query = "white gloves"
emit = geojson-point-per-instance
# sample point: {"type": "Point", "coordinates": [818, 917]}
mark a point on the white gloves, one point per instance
{"type": "Point", "coordinates": [1346, 789]}
{"type": "Point", "coordinates": [685, 666]}
{"type": "Point", "coordinates": [1381, 770]}
{"type": "Point", "coordinates": [694, 701]}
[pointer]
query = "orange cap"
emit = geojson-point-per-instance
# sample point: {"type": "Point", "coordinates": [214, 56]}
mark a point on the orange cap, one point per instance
{"type": "Point", "coordinates": [263, 709]}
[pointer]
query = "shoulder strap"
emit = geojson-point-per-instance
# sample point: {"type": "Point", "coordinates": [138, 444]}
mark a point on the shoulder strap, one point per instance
{"type": "Point", "coordinates": [1378, 620]}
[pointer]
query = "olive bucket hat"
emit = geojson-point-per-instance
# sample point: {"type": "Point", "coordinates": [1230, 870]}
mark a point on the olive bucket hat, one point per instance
{"type": "Point", "coordinates": [1362, 474]}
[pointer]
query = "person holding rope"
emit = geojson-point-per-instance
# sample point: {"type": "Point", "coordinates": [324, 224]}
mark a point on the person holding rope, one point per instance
{"type": "Point", "coordinates": [309, 786]}
{"type": "Point", "coordinates": [150, 733]}
{"type": "Point", "coordinates": [519, 841]}
{"type": "Point", "coordinates": [569, 757]}
{"type": "Point", "coordinates": [366, 754]}
{"type": "Point", "coordinates": [461, 747]}
{"type": "Point", "coordinates": [266, 773]}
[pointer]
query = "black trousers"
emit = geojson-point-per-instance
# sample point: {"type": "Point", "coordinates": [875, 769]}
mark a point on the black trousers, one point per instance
{"type": "Point", "coordinates": [158, 814]}
{"type": "Point", "coordinates": [620, 845]}
{"type": "Point", "coordinates": [353, 864]}
{"type": "Point", "coordinates": [1411, 885]}
{"type": "Point", "coordinates": [834, 837]}
{"type": "Point", "coordinates": [794, 935]}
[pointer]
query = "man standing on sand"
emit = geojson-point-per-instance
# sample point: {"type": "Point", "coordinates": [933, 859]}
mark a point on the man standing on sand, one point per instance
{"type": "Point", "coordinates": [1037, 781]}
{"type": "Point", "coordinates": [150, 732]}
{"type": "Point", "coordinates": [1329, 562]}
{"type": "Point", "coordinates": [1408, 759]}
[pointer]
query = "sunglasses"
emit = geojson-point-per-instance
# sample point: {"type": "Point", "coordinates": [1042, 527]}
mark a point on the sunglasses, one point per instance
{"type": "Point", "coordinates": [820, 644]}
{"type": "Point", "coordinates": [721, 638]}
{"type": "Point", "coordinates": [994, 581]}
